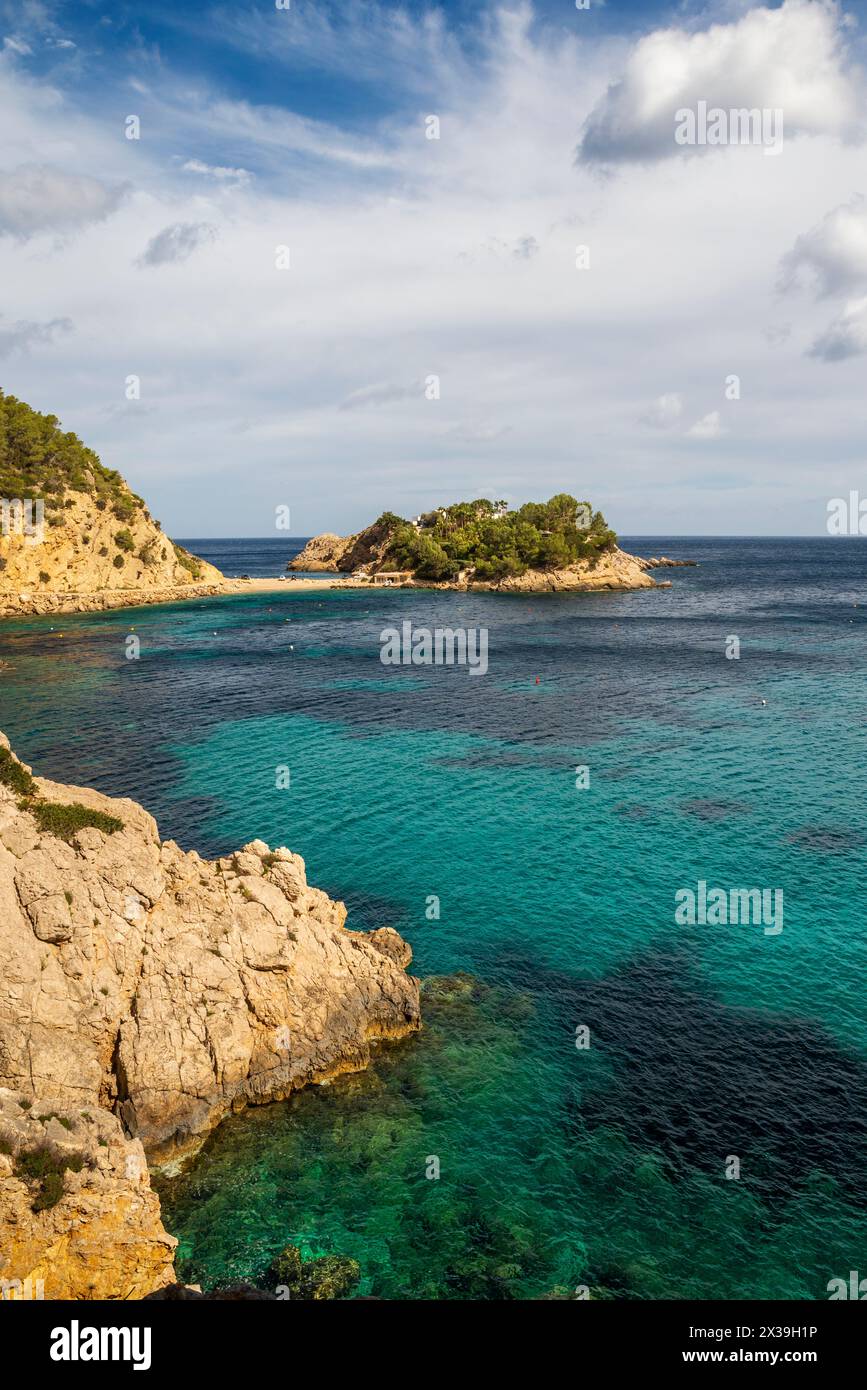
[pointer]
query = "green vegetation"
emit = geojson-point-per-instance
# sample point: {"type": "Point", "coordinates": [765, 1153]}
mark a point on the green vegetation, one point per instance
{"type": "Point", "coordinates": [63, 820]}
{"type": "Point", "coordinates": [189, 562]}
{"type": "Point", "coordinates": [124, 541]}
{"type": "Point", "coordinates": [39, 460]}
{"type": "Point", "coordinates": [45, 1170]}
{"type": "Point", "coordinates": [13, 775]}
{"type": "Point", "coordinates": [328, 1277]}
{"type": "Point", "coordinates": [118, 562]}
{"type": "Point", "coordinates": [496, 542]}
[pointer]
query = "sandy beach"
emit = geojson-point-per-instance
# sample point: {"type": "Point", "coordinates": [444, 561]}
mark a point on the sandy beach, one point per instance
{"type": "Point", "coordinates": [275, 585]}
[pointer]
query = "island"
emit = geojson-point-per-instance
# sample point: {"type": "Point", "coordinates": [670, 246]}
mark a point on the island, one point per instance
{"type": "Point", "coordinates": [558, 545]}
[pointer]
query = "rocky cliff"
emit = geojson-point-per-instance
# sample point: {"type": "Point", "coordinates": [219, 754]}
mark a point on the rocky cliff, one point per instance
{"type": "Point", "coordinates": [72, 534]}
{"type": "Point", "coordinates": [78, 1217]}
{"type": "Point", "coordinates": [146, 983]}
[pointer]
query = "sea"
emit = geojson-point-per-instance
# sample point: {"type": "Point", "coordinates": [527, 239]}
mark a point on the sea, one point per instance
{"type": "Point", "coordinates": [606, 1095]}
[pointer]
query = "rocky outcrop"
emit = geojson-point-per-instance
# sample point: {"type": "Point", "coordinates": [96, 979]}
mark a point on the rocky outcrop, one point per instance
{"type": "Point", "coordinates": [71, 530]}
{"type": "Point", "coordinates": [611, 569]}
{"type": "Point", "coordinates": [365, 549]}
{"type": "Point", "coordinates": [92, 558]}
{"type": "Point", "coordinates": [323, 553]}
{"type": "Point", "coordinates": [145, 980]}
{"type": "Point", "coordinates": [364, 555]}
{"type": "Point", "coordinates": [78, 1218]}
{"type": "Point", "coordinates": [662, 562]}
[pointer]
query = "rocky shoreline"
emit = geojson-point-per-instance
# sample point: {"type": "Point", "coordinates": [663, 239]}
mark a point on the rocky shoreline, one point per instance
{"type": "Point", "coordinates": [145, 993]}
{"type": "Point", "coordinates": [28, 603]}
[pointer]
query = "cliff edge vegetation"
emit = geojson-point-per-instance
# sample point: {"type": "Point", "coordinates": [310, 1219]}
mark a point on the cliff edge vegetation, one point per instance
{"type": "Point", "coordinates": [72, 533]}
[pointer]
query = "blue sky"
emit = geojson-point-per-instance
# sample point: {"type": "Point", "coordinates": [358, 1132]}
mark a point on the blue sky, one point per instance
{"type": "Point", "coordinates": [456, 260]}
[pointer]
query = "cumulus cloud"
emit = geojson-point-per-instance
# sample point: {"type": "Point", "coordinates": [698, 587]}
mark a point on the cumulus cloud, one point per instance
{"type": "Point", "coordinates": [24, 334]}
{"type": "Point", "coordinates": [381, 293]}
{"type": "Point", "coordinates": [846, 336]}
{"type": "Point", "coordinates": [176, 243]}
{"type": "Point", "coordinates": [832, 257]}
{"type": "Point", "coordinates": [665, 411]}
{"type": "Point", "coordinates": [831, 262]}
{"type": "Point", "coordinates": [708, 427]}
{"type": "Point", "coordinates": [36, 199]}
{"type": "Point", "coordinates": [792, 59]}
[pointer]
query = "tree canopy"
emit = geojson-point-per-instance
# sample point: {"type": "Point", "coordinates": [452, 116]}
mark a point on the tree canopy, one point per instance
{"type": "Point", "coordinates": [39, 460]}
{"type": "Point", "coordinates": [495, 541]}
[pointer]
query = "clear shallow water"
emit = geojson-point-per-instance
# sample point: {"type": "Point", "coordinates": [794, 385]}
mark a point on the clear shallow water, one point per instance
{"type": "Point", "coordinates": [558, 1166]}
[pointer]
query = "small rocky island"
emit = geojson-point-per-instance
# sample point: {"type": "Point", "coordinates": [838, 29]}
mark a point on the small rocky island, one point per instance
{"type": "Point", "coordinates": [145, 993]}
{"type": "Point", "coordinates": [553, 546]}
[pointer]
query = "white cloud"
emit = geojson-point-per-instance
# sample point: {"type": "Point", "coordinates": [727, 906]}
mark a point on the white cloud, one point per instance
{"type": "Point", "coordinates": [832, 257]}
{"type": "Point", "coordinates": [404, 264]}
{"type": "Point", "coordinates": [19, 46]}
{"type": "Point", "coordinates": [665, 411]}
{"type": "Point", "coordinates": [846, 336]}
{"type": "Point", "coordinates": [708, 427]}
{"type": "Point", "coordinates": [831, 261]}
{"type": "Point", "coordinates": [221, 173]}
{"type": "Point", "coordinates": [793, 59]}
{"type": "Point", "coordinates": [42, 199]}
{"type": "Point", "coordinates": [382, 393]}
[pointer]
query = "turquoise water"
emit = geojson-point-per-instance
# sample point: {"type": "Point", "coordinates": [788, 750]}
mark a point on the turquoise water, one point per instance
{"type": "Point", "coordinates": [558, 1165]}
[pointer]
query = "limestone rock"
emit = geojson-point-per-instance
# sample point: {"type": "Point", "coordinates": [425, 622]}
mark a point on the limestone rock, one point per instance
{"type": "Point", "coordinates": [147, 981]}
{"type": "Point", "coordinates": [97, 1233]}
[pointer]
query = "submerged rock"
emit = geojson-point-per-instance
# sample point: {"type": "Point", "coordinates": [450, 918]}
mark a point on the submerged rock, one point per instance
{"type": "Point", "coordinates": [326, 1277]}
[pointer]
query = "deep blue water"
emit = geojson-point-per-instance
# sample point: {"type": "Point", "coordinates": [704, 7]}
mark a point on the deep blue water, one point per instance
{"type": "Point", "coordinates": [558, 1165]}
{"type": "Point", "coordinates": [263, 557]}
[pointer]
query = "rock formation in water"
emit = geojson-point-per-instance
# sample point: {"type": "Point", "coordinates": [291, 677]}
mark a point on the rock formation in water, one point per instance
{"type": "Point", "coordinates": [143, 982]}
{"type": "Point", "coordinates": [558, 546]}
{"type": "Point", "coordinates": [72, 534]}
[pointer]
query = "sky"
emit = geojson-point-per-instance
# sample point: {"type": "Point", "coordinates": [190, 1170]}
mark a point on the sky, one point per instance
{"type": "Point", "coordinates": [285, 293]}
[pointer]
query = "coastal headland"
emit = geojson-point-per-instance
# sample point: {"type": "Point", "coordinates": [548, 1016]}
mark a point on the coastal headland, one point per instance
{"type": "Point", "coordinates": [145, 993]}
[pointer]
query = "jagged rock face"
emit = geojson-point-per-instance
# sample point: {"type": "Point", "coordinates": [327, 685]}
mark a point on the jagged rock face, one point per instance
{"type": "Point", "coordinates": [324, 552]}
{"type": "Point", "coordinates": [143, 979]}
{"type": "Point", "coordinates": [344, 553]}
{"type": "Point", "coordinates": [43, 569]}
{"type": "Point", "coordinates": [103, 1238]}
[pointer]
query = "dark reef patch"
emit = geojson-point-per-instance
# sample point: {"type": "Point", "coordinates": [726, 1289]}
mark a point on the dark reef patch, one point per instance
{"type": "Point", "coordinates": [699, 1081]}
{"type": "Point", "coordinates": [827, 839]}
{"type": "Point", "coordinates": [713, 810]}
